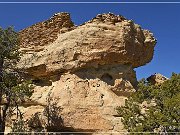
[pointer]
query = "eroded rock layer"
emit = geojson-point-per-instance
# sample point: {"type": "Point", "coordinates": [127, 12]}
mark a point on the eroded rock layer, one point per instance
{"type": "Point", "coordinates": [87, 69]}
{"type": "Point", "coordinates": [101, 41]}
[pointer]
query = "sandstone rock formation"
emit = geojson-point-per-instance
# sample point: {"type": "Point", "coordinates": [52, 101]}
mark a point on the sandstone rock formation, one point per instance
{"type": "Point", "coordinates": [86, 69]}
{"type": "Point", "coordinates": [157, 79]}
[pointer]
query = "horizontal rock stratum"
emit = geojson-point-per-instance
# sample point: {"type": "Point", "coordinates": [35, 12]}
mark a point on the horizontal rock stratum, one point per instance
{"type": "Point", "coordinates": [87, 70]}
{"type": "Point", "coordinates": [56, 45]}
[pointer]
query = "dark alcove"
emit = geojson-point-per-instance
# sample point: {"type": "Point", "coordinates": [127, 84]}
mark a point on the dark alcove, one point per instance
{"type": "Point", "coordinates": [107, 78]}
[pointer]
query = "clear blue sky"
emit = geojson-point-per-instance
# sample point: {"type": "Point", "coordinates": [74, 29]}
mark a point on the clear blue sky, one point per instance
{"type": "Point", "coordinates": [162, 19]}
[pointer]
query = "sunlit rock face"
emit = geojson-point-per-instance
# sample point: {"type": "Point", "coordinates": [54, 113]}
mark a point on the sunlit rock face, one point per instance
{"type": "Point", "coordinates": [157, 79]}
{"type": "Point", "coordinates": [86, 69]}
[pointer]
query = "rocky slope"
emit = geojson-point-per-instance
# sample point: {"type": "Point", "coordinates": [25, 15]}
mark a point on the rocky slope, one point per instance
{"type": "Point", "coordinates": [86, 69]}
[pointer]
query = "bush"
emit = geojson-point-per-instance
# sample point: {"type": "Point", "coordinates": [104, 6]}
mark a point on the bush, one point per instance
{"type": "Point", "coordinates": [153, 108]}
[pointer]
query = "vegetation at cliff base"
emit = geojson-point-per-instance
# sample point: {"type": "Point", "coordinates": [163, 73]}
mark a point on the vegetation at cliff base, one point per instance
{"type": "Point", "coordinates": [153, 108]}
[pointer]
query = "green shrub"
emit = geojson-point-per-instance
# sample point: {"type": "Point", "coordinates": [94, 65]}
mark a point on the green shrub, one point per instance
{"type": "Point", "coordinates": [162, 110]}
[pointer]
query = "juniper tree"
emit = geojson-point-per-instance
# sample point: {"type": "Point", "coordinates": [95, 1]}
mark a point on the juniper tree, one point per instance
{"type": "Point", "coordinates": [162, 111]}
{"type": "Point", "coordinates": [13, 87]}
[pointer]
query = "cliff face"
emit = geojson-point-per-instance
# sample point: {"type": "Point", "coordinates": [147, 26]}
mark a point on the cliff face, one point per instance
{"type": "Point", "coordinates": [86, 69]}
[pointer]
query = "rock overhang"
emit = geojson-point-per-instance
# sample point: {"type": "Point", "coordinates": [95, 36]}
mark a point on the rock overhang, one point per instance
{"type": "Point", "coordinates": [86, 69]}
{"type": "Point", "coordinates": [107, 39]}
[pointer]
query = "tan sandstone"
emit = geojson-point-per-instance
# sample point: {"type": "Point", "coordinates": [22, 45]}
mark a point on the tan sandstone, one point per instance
{"type": "Point", "coordinates": [157, 79]}
{"type": "Point", "coordinates": [86, 69]}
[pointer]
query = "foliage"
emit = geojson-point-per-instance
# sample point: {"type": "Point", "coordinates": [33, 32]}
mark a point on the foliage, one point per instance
{"type": "Point", "coordinates": [19, 127]}
{"type": "Point", "coordinates": [14, 89]}
{"type": "Point", "coordinates": [54, 121]}
{"type": "Point", "coordinates": [48, 121]}
{"type": "Point", "coordinates": [35, 123]}
{"type": "Point", "coordinates": [161, 105]}
{"type": "Point", "coordinates": [9, 44]}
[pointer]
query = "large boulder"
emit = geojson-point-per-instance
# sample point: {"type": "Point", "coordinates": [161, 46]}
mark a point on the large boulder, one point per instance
{"type": "Point", "coordinates": [105, 40]}
{"type": "Point", "coordinates": [87, 70]}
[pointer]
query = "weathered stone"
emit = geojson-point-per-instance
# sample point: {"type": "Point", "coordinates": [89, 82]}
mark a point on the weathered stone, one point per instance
{"type": "Point", "coordinates": [87, 70]}
{"type": "Point", "coordinates": [35, 37]}
{"type": "Point", "coordinates": [93, 44]}
{"type": "Point", "coordinates": [157, 79]}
